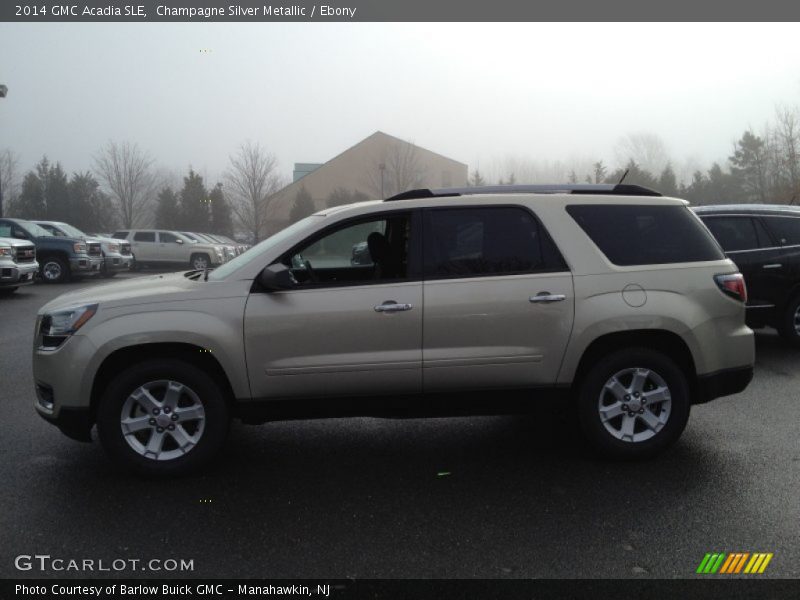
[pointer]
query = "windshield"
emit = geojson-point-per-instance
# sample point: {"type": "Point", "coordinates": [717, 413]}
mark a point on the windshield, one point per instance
{"type": "Point", "coordinates": [34, 230]}
{"type": "Point", "coordinates": [257, 251]}
{"type": "Point", "coordinates": [70, 231]}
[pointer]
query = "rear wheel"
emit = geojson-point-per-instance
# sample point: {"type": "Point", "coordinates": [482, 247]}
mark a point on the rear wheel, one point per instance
{"type": "Point", "coordinates": [54, 269]}
{"type": "Point", "coordinates": [633, 403]}
{"type": "Point", "coordinates": [164, 417]}
{"type": "Point", "coordinates": [789, 327]}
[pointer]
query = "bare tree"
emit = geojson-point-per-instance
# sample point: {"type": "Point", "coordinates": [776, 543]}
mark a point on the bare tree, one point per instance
{"type": "Point", "coordinates": [127, 174]}
{"type": "Point", "coordinates": [787, 134]}
{"type": "Point", "coordinates": [397, 169]}
{"type": "Point", "coordinates": [8, 180]}
{"type": "Point", "coordinates": [645, 149]}
{"type": "Point", "coordinates": [252, 179]}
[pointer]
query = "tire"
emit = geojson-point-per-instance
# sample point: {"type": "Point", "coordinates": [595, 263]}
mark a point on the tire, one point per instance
{"type": "Point", "coordinates": [54, 269]}
{"type": "Point", "coordinates": [657, 424]}
{"type": "Point", "coordinates": [195, 438]}
{"type": "Point", "coordinates": [789, 327]}
{"type": "Point", "coordinates": [199, 261]}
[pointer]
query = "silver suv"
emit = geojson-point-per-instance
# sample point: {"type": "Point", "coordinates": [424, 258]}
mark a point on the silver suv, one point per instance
{"type": "Point", "coordinates": [157, 247]}
{"type": "Point", "coordinates": [472, 301]}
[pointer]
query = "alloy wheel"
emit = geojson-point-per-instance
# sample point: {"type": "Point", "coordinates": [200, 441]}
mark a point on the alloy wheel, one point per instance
{"type": "Point", "coordinates": [51, 271]}
{"type": "Point", "coordinates": [634, 404]}
{"type": "Point", "coordinates": [162, 420]}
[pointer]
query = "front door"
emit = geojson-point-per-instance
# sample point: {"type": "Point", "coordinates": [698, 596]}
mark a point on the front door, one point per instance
{"type": "Point", "coordinates": [499, 300]}
{"type": "Point", "coordinates": [352, 325]}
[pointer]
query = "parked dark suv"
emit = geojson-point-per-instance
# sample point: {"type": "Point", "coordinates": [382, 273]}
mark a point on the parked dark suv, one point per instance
{"type": "Point", "coordinates": [764, 242]}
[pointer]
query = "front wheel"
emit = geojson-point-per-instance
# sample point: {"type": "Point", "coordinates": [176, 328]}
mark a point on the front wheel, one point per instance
{"type": "Point", "coordinates": [163, 418]}
{"type": "Point", "coordinates": [789, 327]}
{"type": "Point", "coordinates": [54, 270]}
{"type": "Point", "coordinates": [199, 262]}
{"type": "Point", "coordinates": [634, 403]}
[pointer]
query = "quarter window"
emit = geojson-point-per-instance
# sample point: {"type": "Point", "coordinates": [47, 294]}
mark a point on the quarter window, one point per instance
{"type": "Point", "coordinates": [786, 230]}
{"type": "Point", "coordinates": [634, 234]}
{"type": "Point", "coordinates": [476, 242]}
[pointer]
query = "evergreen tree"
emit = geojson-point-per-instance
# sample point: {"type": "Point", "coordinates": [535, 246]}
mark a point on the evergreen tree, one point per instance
{"type": "Point", "coordinates": [194, 203]}
{"type": "Point", "coordinates": [168, 214]}
{"type": "Point", "coordinates": [667, 182]}
{"type": "Point", "coordinates": [636, 176]}
{"type": "Point", "coordinates": [303, 205]}
{"type": "Point", "coordinates": [221, 219]}
{"type": "Point", "coordinates": [748, 166]}
{"type": "Point", "coordinates": [91, 209]}
{"type": "Point", "coordinates": [31, 202]}
{"type": "Point", "coordinates": [341, 196]}
{"type": "Point", "coordinates": [57, 194]}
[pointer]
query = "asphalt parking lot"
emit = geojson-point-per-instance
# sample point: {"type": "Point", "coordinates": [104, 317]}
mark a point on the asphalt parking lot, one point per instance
{"type": "Point", "coordinates": [489, 497]}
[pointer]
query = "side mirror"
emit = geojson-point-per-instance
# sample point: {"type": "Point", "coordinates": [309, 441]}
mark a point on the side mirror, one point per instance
{"type": "Point", "coordinates": [179, 241]}
{"type": "Point", "coordinates": [276, 278]}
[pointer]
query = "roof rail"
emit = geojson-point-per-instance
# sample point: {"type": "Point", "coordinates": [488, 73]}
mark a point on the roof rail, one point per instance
{"type": "Point", "coordinates": [580, 188]}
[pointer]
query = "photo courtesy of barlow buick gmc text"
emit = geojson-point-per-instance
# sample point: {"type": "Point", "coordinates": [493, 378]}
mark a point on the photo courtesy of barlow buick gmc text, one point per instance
{"type": "Point", "coordinates": [381, 300]}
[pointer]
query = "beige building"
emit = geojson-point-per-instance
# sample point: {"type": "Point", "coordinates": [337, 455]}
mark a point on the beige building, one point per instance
{"type": "Point", "coordinates": [376, 167]}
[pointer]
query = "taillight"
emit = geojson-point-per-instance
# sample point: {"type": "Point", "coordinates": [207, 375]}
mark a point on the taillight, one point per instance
{"type": "Point", "coordinates": [732, 285]}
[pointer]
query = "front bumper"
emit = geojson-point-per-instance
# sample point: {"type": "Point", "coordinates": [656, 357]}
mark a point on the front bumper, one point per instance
{"type": "Point", "coordinates": [117, 262]}
{"type": "Point", "coordinates": [63, 388]}
{"type": "Point", "coordinates": [722, 383]}
{"type": "Point", "coordinates": [85, 264]}
{"type": "Point", "coordinates": [17, 274]}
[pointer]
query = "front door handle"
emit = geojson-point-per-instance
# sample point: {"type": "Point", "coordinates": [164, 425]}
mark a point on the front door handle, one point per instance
{"type": "Point", "coordinates": [773, 266]}
{"type": "Point", "coordinates": [546, 298]}
{"type": "Point", "coordinates": [392, 306]}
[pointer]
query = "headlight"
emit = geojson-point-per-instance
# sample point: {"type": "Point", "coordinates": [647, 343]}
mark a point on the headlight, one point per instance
{"type": "Point", "coordinates": [219, 251]}
{"type": "Point", "coordinates": [113, 248]}
{"type": "Point", "coordinates": [5, 251]}
{"type": "Point", "coordinates": [79, 248]}
{"type": "Point", "coordinates": [57, 326]}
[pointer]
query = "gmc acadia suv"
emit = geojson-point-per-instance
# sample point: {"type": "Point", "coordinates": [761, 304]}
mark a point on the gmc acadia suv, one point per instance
{"type": "Point", "coordinates": [474, 301]}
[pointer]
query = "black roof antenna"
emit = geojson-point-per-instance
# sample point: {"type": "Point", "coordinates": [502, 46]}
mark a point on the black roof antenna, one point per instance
{"type": "Point", "coordinates": [624, 175]}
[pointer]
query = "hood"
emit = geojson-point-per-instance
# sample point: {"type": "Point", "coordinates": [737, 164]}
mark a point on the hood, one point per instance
{"type": "Point", "coordinates": [4, 241]}
{"type": "Point", "coordinates": [139, 290]}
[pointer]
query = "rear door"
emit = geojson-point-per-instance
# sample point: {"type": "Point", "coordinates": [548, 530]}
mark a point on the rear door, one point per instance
{"type": "Point", "coordinates": [499, 301]}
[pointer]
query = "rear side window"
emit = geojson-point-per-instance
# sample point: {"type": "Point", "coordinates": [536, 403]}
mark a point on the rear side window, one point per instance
{"type": "Point", "coordinates": [144, 236]}
{"type": "Point", "coordinates": [646, 235]}
{"type": "Point", "coordinates": [786, 230]}
{"type": "Point", "coordinates": [475, 242]}
{"type": "Point", "coordinates": [737, 233]}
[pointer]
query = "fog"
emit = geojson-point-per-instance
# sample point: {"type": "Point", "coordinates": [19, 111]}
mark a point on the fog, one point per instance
{"type": "Point", "coordinates": [189, 94]}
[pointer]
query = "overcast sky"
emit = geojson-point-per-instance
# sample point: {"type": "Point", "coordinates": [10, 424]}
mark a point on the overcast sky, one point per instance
{"type": "Point", "coordinates": [307, 91]}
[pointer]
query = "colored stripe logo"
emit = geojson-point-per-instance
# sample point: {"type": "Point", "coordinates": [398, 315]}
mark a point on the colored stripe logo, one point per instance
{"type": "Point", "coordinates": [734, 563]}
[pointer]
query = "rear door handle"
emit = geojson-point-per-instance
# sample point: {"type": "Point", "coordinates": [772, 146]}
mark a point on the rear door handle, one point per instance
{"type": "Point", "coordinates": [546, 297]}
{"type": "Point", "coordinates": [773, 266]}
{"type": "Point", "coordinates": [392, 306]}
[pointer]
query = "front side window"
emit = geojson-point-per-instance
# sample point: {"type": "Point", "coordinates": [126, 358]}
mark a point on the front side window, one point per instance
{"type": "Point", "coordinates": [734, 233]}
{"type": "Point", "coordinates": [786, 230]}
{"type": "Point", "coordinates": [144, 236]}
{"type": "Point", "coordinates": [486, 241]}
{"type": "Point", "coordinates": [641, 234]}
{"type": "Point", "coordinates": [369, 251]}
{"type": "Point", "coordinates": [120, 235]}
{"type": "Point", "coordinates": [167, 238]}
